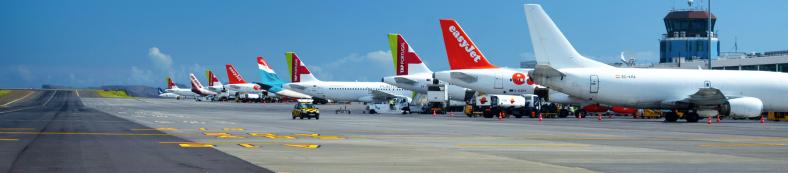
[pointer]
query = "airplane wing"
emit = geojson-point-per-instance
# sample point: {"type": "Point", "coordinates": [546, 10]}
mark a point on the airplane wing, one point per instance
{"type": "Point", "coordinates": [544, 72]}
{"type": "Point", "coordinates": [384, 95]}
{"type": "Point", "coordinates": [464, 77]}
{"type": "Point", "coordinates": [703, 97]}
{"type": "Point", "coordinates": [403, 80]}
{"type": "Point", "coordinates": [707, 96]}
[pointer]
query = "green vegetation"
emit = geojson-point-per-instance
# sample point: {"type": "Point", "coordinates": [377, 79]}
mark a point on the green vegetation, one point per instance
{"type": "Point", "coordinates": [4, 92]}
{"type": "Point", "coordinates": [113, 94]}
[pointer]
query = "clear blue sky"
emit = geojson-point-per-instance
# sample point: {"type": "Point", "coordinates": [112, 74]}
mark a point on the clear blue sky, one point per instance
{"type": "Point", "coordinates": [99, 42]}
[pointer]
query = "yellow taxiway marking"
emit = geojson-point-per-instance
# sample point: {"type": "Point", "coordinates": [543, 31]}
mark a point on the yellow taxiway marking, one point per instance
{"type": "Point", "coordinates": [523, 145]}
{"type": "Point", "coordinates": [280, 137]}
{"type": "Point", "coordinates": [233, 129]}
{"type": "Point", "coordinates": [308, 146]}
{"type": "Point", "coordinates": [260, 134]}
{"type": "Point", "coordinates": [195, 145]}
{"type": "Point", "coordinates": [229, 137]}
{"type": "Point", "coordinates": [23, 129]}
{"type": "Point", "coordinates": [8, 139]}
{"type": "Point", "coordinates": [216, 134]}
{"type": "Point", "coordinates": [307, 134]}
{"type": "Point", "coordinates": [248, 145]}
{"type": "Point", "coordinates": [12, 101]}
{"type": "Point", "coordinates": [159, 129]}
{"type": "Point", "coordinates": [203, 129]}
{"type": "Point", "coordinates": [741, 145]}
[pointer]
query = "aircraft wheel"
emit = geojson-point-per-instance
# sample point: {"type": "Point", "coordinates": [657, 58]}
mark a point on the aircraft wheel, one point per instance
{"type": "Point", "coordinates": [671, 117]}
{"type": "Point", "coordinates": [692, 117]}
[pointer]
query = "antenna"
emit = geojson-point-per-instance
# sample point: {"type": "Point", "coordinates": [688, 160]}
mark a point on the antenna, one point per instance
{"type": "Point", "coordinates": [689, 2]}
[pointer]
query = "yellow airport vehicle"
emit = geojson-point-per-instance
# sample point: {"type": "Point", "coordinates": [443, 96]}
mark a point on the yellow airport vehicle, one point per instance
{"type": "Point", "coordinates": [306, 110]}
{"type": "Point", "coordinates": [777, 116]}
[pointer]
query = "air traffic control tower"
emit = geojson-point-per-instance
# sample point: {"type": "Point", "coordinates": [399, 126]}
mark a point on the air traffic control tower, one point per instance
{"type": "Point", "coordinates": [687, 37]}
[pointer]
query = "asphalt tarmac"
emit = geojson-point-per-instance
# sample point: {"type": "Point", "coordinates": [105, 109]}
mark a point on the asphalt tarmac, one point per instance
{"type": "Point", "coordinates": [265, 135]}
{"type": "Point", "coordinates": [52, 131]}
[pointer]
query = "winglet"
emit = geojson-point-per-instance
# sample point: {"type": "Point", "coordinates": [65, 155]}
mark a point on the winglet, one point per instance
{"type": "Point", "coordinates": [297, 69]}
{"type": "Point", "coordinates": [550, 45]}
{"type": "Point", "coordinates": [460, 49]}
{"type": "Point", "coordinates": [406, 61]}
{"type": "Point", "coordinates": [233, 75]}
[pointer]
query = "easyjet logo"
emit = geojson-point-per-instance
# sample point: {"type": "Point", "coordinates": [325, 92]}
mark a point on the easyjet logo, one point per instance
{"type": "Point", "coordinates": [464, 44]}
{"type": "Point", "coordinates": [235, 74]}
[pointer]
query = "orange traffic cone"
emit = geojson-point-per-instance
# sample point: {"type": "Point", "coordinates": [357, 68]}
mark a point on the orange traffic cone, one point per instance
{"type": "Point", "coordinates": [762, 120]}
{"type": "Point", "coordinates": [599, 117]}
{"type": "Point", "coordinates": [533, 114]}
{"type": "Point", "coordinates": [434, 114]}
{"type": "Point", "coordinates": [708, 120]}
{"type": "Point", "coordinates": [718, 118]}
{"type": "Point", "coordinates": [540, 117]}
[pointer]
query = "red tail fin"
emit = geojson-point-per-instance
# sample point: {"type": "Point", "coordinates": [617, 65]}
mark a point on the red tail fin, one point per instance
{"type": "Point", "coordinates": [210, 78]}
{"type": "Point", "coordinates": [214, 79]}
{"type": "Point", "coordinates": [462, 53]}
{"type": "Point", "coordinates": [170, 84]}
{"type": "Point", "coordinates": [233, 75]}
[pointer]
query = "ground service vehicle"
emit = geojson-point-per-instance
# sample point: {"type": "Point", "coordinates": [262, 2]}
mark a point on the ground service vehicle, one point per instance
{"type": "Point", "coordinates": [306, 110]}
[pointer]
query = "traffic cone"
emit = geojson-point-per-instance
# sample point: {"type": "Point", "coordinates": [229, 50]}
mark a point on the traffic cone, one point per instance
{"type": "Point", "coordinates": [708, 120]}
{"type": "Point", "coordinates": [533, 114]}
{"type": "Point", "coordinates": [718, 118]}
{"type": "Point", "coordinates": [540, 117]}
{"type": "Point", "coordinates": [762, 120]}
{"type": "Point", "coordinates": [599, 117]}
{"type": "Point", "coordinates": [500, 115]}
{"type": "Point", "coordinates": [434, 114]}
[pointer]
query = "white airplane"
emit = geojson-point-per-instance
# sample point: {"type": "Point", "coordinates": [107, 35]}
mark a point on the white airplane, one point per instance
{"type": "Point", "coordinates": [412, 74]}
{"type": "Point", "coordinates": [699, 93]}
{"type": "Point", "coordinates": [304, 82]}
{"type": "Point", "coordinates": [172, 88]}
{"type": "Point", "coordinates": [237, 82]}
{"type": "Point", "coordinates": [198, 89]}
{"type": "Point", "coordinates": [165, 94]}
{"type": "Point", "coordinates": [470, 69]}
{"type": "Point", "coordinates": [271, 82]}
{"type": "Point", "coordinates": [213, 83]}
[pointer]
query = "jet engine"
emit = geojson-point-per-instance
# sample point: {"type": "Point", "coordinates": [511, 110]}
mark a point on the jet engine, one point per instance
{"type": "Point", "coordinates": [742, 107]}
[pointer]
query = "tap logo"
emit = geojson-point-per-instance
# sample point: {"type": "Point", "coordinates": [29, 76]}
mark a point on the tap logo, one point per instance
{"type": "Point", "coordinates": [519, 79]}
{"type": "Point", "coordinates": [464, 44]}
{"type": "Point", "coordinates": [483, 100]}
{"type": "Point", "coordinates": [256, 87]}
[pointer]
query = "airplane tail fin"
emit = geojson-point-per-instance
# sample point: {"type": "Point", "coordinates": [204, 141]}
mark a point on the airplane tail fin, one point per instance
{"type": "Point", "coordinates": [170, 84]}
{"type": "Point", "coordinates": [233, 75]}
{"type": "Point", "coordinates": [268, 76]}
{"type": "Point", "coordinates": [212, 79]}
{"type": "Point", "coordinates": [195, 83]}
{"type": "Point", "coordinates": [298, 71]}
{"type": "Point", "coordinates": [550, 45]}
{"type": "Point", "coordinates": [461, 51]}
{"type": "Point", "coordinates": [406, 61]}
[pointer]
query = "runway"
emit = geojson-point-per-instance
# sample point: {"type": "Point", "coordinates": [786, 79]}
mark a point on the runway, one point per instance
{"type": "Point", "coordinates": [52, 131]}
{"type": "Point", "coordinates": [265, 135]}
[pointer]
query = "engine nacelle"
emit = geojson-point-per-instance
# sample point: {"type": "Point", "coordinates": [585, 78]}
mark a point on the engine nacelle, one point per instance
{"type": "Point", "coordinates": [742, 107]}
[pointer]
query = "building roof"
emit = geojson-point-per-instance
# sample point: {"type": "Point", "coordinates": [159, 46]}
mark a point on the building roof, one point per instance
{"type": "Point", "coordinates": [689, 15]}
